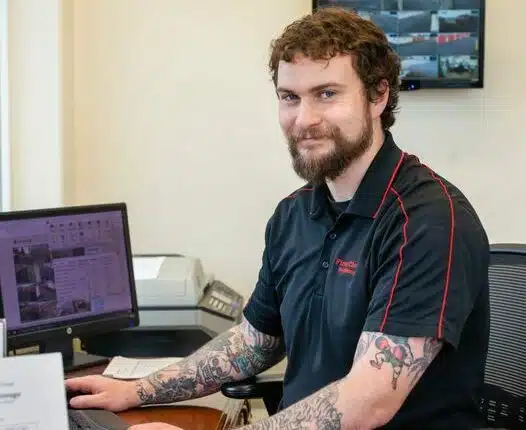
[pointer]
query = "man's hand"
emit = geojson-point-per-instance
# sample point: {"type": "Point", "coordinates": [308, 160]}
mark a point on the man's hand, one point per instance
{"type": "Point", "coordinates": [154, 426]}
{"type": "Point", "coordinates": [103, 393]}
{"type": "Point", "coordinates": [236, 354]}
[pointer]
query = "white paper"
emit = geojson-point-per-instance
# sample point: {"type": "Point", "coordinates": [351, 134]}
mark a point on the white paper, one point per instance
{"type": "Point", "coordinates": [135, 368]}
{"type": "Point", "coordinates": [147, 267]}
{"type": "Point", "coordinates": [3, 338]}
{"type": "Point", "coordinates": [32, 393]}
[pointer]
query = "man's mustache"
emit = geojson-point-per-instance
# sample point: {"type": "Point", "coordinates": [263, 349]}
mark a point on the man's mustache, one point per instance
{"type": "Point", "coordinates": [311, 134]}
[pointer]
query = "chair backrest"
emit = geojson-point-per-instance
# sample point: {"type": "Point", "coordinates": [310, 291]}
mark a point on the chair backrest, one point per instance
{"type": "Point", "coordinates": [504, 402]}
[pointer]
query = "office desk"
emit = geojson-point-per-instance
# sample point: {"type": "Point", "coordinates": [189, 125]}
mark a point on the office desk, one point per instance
{"type": "Point", "coordinates": [185, 416]}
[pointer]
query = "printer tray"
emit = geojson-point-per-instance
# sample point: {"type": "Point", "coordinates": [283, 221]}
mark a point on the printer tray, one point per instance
{"type": "Point", "coordinates": [145, 343]}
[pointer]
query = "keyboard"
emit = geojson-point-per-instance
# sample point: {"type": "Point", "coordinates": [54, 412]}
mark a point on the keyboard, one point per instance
{"type": "Point", "coordinates": [95, 419]}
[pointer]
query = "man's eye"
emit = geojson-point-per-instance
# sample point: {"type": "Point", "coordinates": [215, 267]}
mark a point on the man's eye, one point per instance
{"type": "Point", "coordinates": [289, 97]}
{"type": "Point", "coordinates": [325, 94]}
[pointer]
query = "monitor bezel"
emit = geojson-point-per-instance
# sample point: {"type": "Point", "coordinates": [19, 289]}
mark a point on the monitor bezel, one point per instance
{"type": "Point", "coordinates": [19, 338]}
{"type": "Point", "coordinates": [441, 83]}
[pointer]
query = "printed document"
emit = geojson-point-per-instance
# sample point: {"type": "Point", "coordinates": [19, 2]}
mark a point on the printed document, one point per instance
{"type": "Point", "coordinates": [133, 368]}
{"type": "Point", "coordinates": [147, 267]}
{"type": "Point", "coordinates": [32, 393]}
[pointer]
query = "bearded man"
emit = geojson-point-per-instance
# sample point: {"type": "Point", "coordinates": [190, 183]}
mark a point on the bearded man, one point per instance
{"type": "Point", "coordinates": [374, 276]}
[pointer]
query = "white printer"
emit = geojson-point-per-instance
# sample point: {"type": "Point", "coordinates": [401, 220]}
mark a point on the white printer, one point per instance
{"type": "Point", "coordinates": [168, 280]}
{"type": "Point", "coordinates": [173, 291]}
{"type": "Point", "coordinates": [180, 309]}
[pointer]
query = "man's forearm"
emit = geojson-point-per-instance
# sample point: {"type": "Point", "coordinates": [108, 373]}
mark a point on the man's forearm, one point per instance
{"type": "Point", "coordinates": [330, 408]}
{"type": "Point", "coordinates": [237, 354]}
{"type": "Point", "coordinates": [370, 395]}
{"type": "Point", "coordinates": [321, 410]}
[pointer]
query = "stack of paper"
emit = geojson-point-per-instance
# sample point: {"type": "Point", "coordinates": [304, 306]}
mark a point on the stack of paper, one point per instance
{"type": "Point", "coordinates": [133, 368]}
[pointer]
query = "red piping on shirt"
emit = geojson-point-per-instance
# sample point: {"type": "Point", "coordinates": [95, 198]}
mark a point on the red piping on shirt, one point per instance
{"type": "Point", "coordinates": [390, 183]}
{"type": "Point", "coordinates": [401, 257]}
{"type": "Point", "coordinates": [440, 331]}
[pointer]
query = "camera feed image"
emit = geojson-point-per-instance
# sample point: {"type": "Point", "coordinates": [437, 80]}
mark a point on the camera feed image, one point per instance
{"type": "Point", "coordinates": [459, 4]}
{"type": "Point", "coordinates": [431, 44]}
{"type": "Point", "coordinates": [458, 21]}
{"type": "Point", "coordinates": [434, 4]}
{"type": "Point", "coordinates": [359, 4]}
{"type": "Point", "coordinates": [462, 67]}
{"type": "Point", "coordinates": [419, 67]}
{"type": "Point", "coordinates": [387, 21]}
{"type": "Point", "coordinates": [419, 4]}
{"type": "Point", "coordinates": [417, 22]}
{"type": "Point", "coordinates": [403, 22]}
{"type": "Point", "coordinates": [414, 44]}
{"type": "Point", "coordinates": [75, 306]}
{"type": "Point", "coordinates": [35, 282]}
{"type": "Point", "coordinates": [457, 44]}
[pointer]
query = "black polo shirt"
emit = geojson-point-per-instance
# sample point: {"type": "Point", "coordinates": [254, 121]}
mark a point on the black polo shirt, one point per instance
{"type": "Point", "coordinates": [408, 256]}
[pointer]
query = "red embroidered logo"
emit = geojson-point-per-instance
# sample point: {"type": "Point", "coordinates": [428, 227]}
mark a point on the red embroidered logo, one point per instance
{"type": "Point", "coordinates": [349, 267]}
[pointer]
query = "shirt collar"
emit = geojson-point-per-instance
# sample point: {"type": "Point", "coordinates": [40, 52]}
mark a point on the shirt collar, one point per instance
{"type": "Point", "coordinates": [374, 187]}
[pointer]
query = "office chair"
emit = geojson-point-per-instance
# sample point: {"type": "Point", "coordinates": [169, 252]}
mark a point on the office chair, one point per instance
{"type": "Point", "coordinates": [504, 400]}
{"type": "Point", "coordinates": [267, 387]}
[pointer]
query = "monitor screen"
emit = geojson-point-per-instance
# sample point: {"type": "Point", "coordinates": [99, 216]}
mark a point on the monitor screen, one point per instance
{"type": "Point", "coordinates": [440, 42]}
{"type": "Point", "coordinates": [66, 271]}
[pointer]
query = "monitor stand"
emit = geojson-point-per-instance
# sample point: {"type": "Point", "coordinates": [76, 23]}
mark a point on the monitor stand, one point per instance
{"type": "Point", "coordinates": [70, 359]}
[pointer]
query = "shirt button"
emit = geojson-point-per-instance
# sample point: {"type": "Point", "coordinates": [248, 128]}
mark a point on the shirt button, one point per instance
{"type": "Point", "coordinates": [325, 264]}
{"type": "Point", "coordinates": [332, 236]}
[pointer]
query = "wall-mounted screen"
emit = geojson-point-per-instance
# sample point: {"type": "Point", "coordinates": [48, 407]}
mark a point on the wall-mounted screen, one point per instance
{"type": "Point", "coordinates": [440, 42]}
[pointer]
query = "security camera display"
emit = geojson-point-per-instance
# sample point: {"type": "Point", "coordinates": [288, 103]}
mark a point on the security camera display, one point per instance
{"type": "Point", "coordinates": [436, 39]}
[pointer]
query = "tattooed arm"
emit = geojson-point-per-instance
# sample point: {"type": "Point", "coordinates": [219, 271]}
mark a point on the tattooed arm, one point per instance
{"type": "Point", "coordinates": [385, 370]}
{"type": "Point", "coordinates": [236, 354]}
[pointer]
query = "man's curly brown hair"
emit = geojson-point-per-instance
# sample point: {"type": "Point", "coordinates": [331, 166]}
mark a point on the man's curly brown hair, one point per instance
{"type": "Point", "coordinates": [332, 31]}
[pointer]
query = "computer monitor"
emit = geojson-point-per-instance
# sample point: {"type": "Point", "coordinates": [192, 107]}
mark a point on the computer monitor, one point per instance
{"type": "Point", "coordinates": [66, 272]}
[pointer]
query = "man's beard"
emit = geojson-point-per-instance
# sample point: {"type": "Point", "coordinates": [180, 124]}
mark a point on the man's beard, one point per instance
{"type": "Point", "coordinates": [333, 164]}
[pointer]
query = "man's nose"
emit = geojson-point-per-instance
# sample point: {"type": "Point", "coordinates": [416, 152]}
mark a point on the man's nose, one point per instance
{"type": "Point", "coordinates": [308, 116]}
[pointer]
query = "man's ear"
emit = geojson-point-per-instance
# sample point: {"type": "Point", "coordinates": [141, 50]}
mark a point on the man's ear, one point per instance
{"type": "Point", "coordinates": [382, 97]}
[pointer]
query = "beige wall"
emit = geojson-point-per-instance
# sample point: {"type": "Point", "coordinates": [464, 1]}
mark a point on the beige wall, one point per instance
{"type": "Point", "coordinates": [174, 105]}
{"type": "Point", "coordinates": [172, 111]}
{"type": "Point", "coordinates": [40, 94]}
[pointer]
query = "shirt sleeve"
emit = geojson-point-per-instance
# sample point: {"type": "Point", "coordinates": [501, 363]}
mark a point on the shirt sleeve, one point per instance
{"type": "Point", "coordinates": [430, 273]}
{"type": "Point", "coordinates": [262, 310]}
